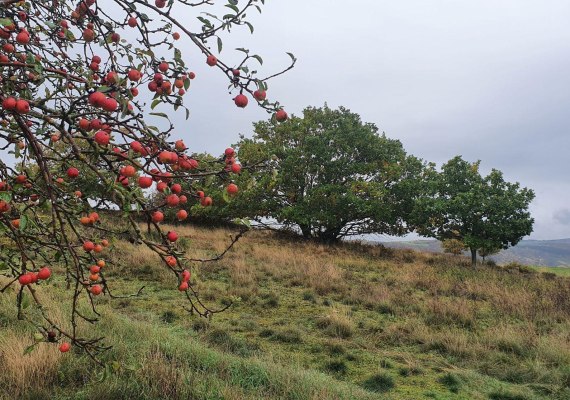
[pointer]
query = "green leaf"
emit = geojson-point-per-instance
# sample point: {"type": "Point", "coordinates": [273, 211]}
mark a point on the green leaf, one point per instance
{"type": "Point", "coordinates": [159, 114]}
{"type": "Point", "coordinates": [258, 58]}
{"type": "Point", "coordinates": [103, 375]}
{"type": "Point", "coordinates": [6, 21]}
{"type": "Point", "coordinates": [23, 223]}
{"type": "Point", "coordinates": [25, 301]}
{"type": "Point", "coordinates": [178, 56]}
{"type": "Point", "coordinates": [250, 26]}
{"type": "Point", "coordinates": [219, 45]}
{"type": "Point", "coordinates": [6, 196]}
{"type": "Point", "coordinates": [226, 196]}
{"type": "Point", "coordinates": [154, 103]}
{"type": "Point", "coordinates": [242, 221]}
{"type": "Point", "coordinates": [69, 35]}
{"type": "Point", "coordinates": [233, 7]}
{"type": "Point", "coordinates": [29, 349]}
{"type": "Point", "coordinates": [205, 21]}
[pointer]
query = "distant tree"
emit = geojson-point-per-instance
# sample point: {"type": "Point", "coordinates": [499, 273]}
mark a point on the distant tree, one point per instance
{"type": "Point", "coordinates": [328, 174]}
{"type": "Point", "coordinates": [482, 212]}
{"type": "Point", "coordinates": [453, 246]}
{"type": "Point", "coordinates": [485, 252]}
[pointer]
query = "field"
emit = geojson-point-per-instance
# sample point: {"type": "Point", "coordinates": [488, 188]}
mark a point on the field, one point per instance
{"type": "Point", "coordinates": [560, 271]}
{"type": "Point", "coordinates": [308, 322]}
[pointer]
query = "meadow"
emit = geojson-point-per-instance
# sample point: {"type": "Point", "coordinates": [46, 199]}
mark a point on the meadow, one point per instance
{"type": "Point", "coordinates": [307, 321]}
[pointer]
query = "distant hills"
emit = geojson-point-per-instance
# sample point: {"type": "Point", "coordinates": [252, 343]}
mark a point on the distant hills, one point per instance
{"type": "Point", "coordinates": [549, 253]}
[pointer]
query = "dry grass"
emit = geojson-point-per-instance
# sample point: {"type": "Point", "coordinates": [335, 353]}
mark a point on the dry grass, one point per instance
{"type": "Point", "coordinates": [25, 374]}
{"type": "Point", "coordinates": [448, 312]}
{"type": "Point", "coordinates": [242, 277]}
{"type": "Point", "coordinates": [162, 375]}
{"type": "Point", "coordinates": [372, 295]}
{"type": "Point", "coordinates": [323, 278]}
{"type": "Point", "coordinates": [337, 323]}
{"type": "Point", "coordinates": [512, 324]}
{"type": "Point", "coordinates": [137, 261]}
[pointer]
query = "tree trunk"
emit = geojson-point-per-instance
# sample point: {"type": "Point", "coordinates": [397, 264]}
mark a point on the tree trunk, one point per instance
{"type": "Point", "coordinates": [305, 230]}
{"type": "Point", "coordinates": [473, 257]}
{"type": "Point", "coordinates": [329, 237]}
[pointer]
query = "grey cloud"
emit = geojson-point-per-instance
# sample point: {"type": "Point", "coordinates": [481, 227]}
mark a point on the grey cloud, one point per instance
{"type": "Point", "coordinates": [486, 79]}
{"type": "Point", "coordinates": [562, 216]}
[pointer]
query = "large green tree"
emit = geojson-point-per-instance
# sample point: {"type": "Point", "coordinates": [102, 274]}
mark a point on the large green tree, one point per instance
{"type": "Point", "coordinates": [328, 174]}
{"type": "Point", "coordinates": [483, 212]}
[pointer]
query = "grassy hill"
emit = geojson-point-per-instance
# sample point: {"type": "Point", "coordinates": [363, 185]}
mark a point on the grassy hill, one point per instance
{"type": "Point", "coordinates": [308, 322]}
{"type": "Point", "coordinates": [542, 253]}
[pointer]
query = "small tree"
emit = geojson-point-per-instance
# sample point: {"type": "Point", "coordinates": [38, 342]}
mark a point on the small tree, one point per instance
{"type": "Point", "coordinates": [485, 252]}
{"type": "Point", "coordinates": [80, 86]}
{"type": "Point", "coordinates": [453, 246]}
{"type": "Point", "coordinates": [482, 212]}
{"type": "Point", "coordinates": [327, 174]}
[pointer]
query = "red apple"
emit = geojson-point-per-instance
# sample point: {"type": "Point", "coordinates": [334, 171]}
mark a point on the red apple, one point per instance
{"type": "Point", "coordinates": [172, 236]}
{"type": "Point", "coordinates": [211, 61]}
{"type": "Point", "coordinates": [157, 217]}
{"type": "Point", "coordinates": [145, 182]}
{"type": "Point", "coordinates": [260, 95]}
{"type": "Point", "coordinates": [44, 273]}
{"type": "Point", "coordinates": [181, 215]}
{"type": "Point", "coordinates": [102, 138]}
{"type": "Point", "coordinates": [232, 189]}
{"type": "Point", "coordinates": [281, 116]}
{"type": "Point", "coordinates": [241, 101]}
{"type": "Point", "coordinates": [72, 172]}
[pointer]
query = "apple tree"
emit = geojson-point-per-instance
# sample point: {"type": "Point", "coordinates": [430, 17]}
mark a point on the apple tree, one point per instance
{"type": "Point", "coordinates": [87, 92]}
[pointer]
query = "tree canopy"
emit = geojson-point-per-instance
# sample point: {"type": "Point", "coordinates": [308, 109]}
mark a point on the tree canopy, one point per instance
{"type": "Point", "coordinates": [483, 212]}
{"type": "Point", "coordinates": [327, 174]}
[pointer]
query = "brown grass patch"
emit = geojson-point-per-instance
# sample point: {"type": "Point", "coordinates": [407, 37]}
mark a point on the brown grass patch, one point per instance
{"type": "Point", "coordinates": [337, 324]}
{"type": "Point", "coordinates": [25, 374]}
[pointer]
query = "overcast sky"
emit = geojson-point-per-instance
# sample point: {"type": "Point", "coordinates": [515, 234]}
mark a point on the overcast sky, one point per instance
{"type": "Point", "coordinates": [484, 79]}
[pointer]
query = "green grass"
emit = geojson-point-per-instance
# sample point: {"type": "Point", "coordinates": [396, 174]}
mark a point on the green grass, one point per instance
{"type": "Point", "coordinates": [560, 271]}
{"type": "Point", "coordinates": [309, 322]}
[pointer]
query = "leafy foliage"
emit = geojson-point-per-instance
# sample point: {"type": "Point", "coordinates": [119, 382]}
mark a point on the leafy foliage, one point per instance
{"type": "Point", "coordinates": [327, 174]}
{"type": "Point", "coordinates": [482, 212]}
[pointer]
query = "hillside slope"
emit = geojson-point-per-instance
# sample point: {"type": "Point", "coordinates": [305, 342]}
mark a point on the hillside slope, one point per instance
{"type": "Point", "coordinates": [308, 322]}
{"type": "Point", "coordinates": [549, 253]}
